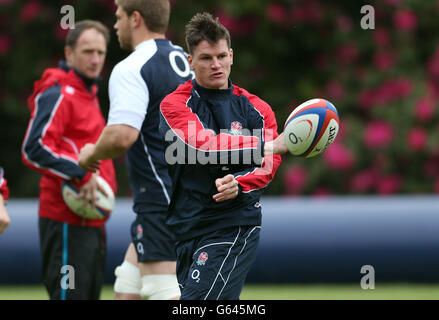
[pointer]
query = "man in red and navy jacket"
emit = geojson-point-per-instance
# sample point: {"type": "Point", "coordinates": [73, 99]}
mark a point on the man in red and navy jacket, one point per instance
{"type": "Point", "coordinates": [222, 142]}
{"type": "Point", "coordinates": [65, 115]}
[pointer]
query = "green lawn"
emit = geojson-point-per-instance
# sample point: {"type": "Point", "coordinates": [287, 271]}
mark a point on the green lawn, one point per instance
{"type": "Point", "coordinates": [398, 291]}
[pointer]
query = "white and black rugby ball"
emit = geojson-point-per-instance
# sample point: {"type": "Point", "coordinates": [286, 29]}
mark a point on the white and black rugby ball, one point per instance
{"type": "Point", "coordinates": [311, 128]}
{"type": "Point", "coordinates": [104, 204]}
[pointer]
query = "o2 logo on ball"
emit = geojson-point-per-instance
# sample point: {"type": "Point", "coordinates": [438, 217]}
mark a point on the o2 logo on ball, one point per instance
{"type": "Point", "coordinates": [293, 138]}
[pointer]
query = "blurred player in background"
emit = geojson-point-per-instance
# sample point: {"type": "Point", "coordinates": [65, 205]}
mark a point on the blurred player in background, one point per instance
{"type": "Point", "coordinates": [137, 86]}
{"type": "Point", "coordinates": [4, 195]}
{"type": "Point", "coordinates": [65, 114]}
{"type": "Point", "coordinates": [220, 134]}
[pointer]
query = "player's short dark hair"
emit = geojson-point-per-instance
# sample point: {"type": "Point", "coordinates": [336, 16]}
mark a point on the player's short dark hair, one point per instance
{"type": "Point", "coordinates": [203, 26]}
{"type": "Point", "coordinates": [81, 26]}
{"type": "Point", "coordinates": [155, 13]}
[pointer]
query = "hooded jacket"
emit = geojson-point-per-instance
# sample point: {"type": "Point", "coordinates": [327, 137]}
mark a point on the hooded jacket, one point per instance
{"type": "Point", "coordinates": [65, 115]}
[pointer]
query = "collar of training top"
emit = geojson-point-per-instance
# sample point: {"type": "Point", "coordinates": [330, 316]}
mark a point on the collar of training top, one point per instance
{"type": "Point", "coordinates": [88, 81]}
{"type": "Point", "coordinates": [212, 93]}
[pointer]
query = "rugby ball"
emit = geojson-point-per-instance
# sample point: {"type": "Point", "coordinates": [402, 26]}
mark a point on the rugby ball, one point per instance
{"type": "Point", "coordinates": [311, 128]}
{"type": "Point", "coordinates": [104, 204]}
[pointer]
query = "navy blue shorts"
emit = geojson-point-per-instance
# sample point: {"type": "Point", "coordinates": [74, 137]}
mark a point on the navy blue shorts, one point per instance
{"type": "Point", "coordinates": [152, 238]}
{"type": "Point", "coordinates": [214, 266]}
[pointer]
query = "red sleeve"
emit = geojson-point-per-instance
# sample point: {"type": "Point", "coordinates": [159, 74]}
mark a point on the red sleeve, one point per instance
{"type": "Point", "coordinates": [178, 117]}
{"type": "Point", "coordinates": [44, 149]}
{"type": "Point", "coordinates": [4, 190]}
{"type": "Point", "coordinates": [258, 178]}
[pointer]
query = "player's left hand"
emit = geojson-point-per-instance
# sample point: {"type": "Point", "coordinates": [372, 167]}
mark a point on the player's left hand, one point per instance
{"type": "Point", "coordinates": [85, 159]}
{"type": "Point", "coordinates": [228, 188]}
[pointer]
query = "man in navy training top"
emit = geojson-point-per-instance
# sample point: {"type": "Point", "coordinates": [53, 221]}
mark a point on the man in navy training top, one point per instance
{"type": "Point", "coordinates": [221, 156]}
{"type": "Point", "coordinates": [137, 85]}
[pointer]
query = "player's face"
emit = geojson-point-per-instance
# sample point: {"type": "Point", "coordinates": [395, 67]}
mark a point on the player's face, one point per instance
{"type": "Point", "coordinates": [212, 64]}
{"type": "Point", "coordinates": [88, 55]}
{"type": "Point", "coordinates": [123, 29]}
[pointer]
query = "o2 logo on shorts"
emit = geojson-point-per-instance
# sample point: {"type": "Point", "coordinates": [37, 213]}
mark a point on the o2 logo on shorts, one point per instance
{"type": "Point", "coordinates": [140, 249]}
{"type": "Point", "coordinates": [173, 56]}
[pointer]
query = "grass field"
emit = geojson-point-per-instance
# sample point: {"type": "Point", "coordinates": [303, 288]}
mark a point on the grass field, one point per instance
{"type": "Point", "coordinates": [399, 291]}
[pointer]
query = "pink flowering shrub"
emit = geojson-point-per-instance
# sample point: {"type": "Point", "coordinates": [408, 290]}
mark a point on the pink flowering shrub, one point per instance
{"type": "Point", "coordinates": [378, 135]}
{"type": "Point", "coordinates": [295, 180]}
{"type": "Point", "coordinates": [384, 83]}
